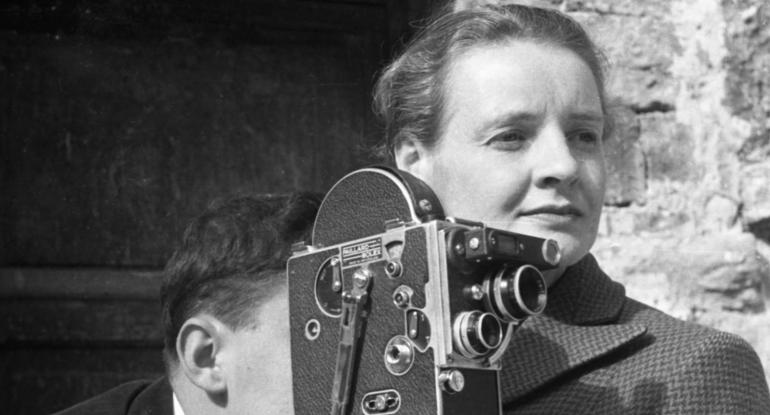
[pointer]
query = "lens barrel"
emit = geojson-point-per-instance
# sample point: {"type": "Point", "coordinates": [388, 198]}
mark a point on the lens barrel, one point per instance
{"type": "Point", "coordinates": [476, 333]}
{"type": "Point", "coordinates": [515, 293]}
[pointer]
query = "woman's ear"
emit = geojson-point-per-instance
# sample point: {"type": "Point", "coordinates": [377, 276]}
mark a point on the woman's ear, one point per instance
{"type": "Point", "coordinates": [411, 156]}
{"type": "Point", "coordinates": [199, 345]}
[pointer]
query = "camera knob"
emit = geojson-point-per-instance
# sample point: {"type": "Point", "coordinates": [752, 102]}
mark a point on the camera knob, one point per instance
{"type": "Point", "coordinates": [399, 355]}
{"type": "Point", "coordinates": [451, 381]}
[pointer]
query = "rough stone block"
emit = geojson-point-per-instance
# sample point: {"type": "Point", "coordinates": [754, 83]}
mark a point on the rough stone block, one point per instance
{"type": "Point", "coordinates": [626, 175]}
{"type": "Point", "coordinates": [639, 72]}
{"type": "Point", "coordinates": [704, 274]}
{"type": "Point", "coordinates": [617, 221]}
{"type": "Point", "coordinates": [748, 61]}
{"type": "Point", "coordinates": [720, 213]}
{"type": "Point", "coordinates": [755, 192]}
{"type": "Point", "coordinates": [668, 146]}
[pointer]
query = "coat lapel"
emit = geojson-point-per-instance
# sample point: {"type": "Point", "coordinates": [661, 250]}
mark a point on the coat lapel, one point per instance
{"type": "Point", "coordinates": [577, 327]}
{"type": "Point", "coordinates": [155, 400]}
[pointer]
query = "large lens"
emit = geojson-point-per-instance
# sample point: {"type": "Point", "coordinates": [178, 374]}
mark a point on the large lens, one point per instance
{"type": "Point", "coordinates": [476, 334]}
{"type": "Point", "coordinates": [515, 293]}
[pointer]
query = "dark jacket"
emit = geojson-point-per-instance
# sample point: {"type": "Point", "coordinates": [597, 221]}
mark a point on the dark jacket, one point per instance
{"type": "Point", "coordinates": [141, 397]}
{"type": "Point", "coordinates": [595, 351]}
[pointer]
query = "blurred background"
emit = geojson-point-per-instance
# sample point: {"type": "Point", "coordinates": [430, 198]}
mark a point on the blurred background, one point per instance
{"type": "Point", "coordinates": [121, 120]}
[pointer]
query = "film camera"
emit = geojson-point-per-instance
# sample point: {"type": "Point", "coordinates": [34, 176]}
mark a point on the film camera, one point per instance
{"type": "Point", "coordinates": [395, 308]}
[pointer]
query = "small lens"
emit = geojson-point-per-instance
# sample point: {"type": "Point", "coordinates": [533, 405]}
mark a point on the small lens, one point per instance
{"type": "Point", "coordinates": [476, 333]}
{"type": "Point", "coordinates": [489, 330]}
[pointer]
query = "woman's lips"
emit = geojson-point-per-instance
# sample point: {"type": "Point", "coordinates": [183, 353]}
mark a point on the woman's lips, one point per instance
{"type": "Point", "coordinates": [552, 214]}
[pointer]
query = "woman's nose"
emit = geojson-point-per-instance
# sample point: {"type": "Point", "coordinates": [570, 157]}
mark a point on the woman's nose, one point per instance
{"type": "Point", "coordinates": [554, 163]}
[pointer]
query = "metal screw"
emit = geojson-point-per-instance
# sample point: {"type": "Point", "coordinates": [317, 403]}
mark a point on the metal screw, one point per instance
{"type": "Point", "coordinates": [380, 403]}
{"type": "Point", "coordinates": [393, 269]}
{"type": "Point", "coordinates": [401, 296]}
{"type": "Point", "coordinates": [474, 243]}
{"type": "Point", "coordinates": [400, 299]}
{"type": "Point", "coordinates": [477, 293]}
{"type": "Point", "coordinates": [425, 205]}
{"type": "Point", "coordinates": [312, 329]}
{"type": "Point", "coordinates": [361, 278]}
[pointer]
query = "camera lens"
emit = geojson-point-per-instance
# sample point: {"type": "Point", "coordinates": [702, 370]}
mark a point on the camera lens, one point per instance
{"type": "Point", "coordinates": [488, 330]}
{"type": "Point", "coordinates": [515, 293]}
{"type": "Point", "coordinates": [476, 334]}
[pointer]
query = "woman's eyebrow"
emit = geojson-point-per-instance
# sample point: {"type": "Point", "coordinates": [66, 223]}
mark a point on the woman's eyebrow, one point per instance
{"type": "Point", "coordinates": [510, 118]}
{"type": "Point", "coordinates": [588, 116]}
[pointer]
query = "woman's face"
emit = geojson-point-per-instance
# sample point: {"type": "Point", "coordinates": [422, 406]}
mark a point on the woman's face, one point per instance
{"type": "Point", "coordinates": [521, 146]}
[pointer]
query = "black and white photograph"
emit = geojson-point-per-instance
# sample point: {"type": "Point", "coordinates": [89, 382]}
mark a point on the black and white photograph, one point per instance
{"type": "Point", "coordinates": [384, 207]}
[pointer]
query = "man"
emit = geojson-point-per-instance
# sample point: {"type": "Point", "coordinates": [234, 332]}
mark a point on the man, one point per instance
{"type": "Point", "coordinates": [225, 315]}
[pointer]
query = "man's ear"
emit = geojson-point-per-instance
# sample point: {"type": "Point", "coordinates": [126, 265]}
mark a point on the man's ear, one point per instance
{"type": "Point", "coordinates": [411, 156]}
{"type": "Point", "coordinates": [198, 345]}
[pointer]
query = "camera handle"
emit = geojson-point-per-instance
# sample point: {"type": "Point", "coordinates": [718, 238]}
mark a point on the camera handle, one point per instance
{"type": "Point", "coordinates": [351, 323]}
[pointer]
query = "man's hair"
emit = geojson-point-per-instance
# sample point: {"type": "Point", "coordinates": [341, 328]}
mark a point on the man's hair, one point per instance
{"type": "Point", "coordinates": [409, 96]}
{"type": "Point", "coordinates": [231, 259]}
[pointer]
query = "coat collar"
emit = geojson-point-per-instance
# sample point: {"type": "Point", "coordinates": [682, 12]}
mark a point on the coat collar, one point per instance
{"type": "Point", "coordinates": [585, 295]}
{"type": "Point", "coordinates": [576, 327]}
{"type": "Point", "coordinates": [156, 399]}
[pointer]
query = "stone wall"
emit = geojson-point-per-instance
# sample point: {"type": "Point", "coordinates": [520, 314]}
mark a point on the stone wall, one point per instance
{"type": "Point", "coordinates": [687, 218]}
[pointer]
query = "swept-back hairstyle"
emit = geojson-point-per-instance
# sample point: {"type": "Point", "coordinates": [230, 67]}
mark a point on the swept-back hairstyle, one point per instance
{"type": "Point", "coordinates": [231, 258]}
{"type": "Point", "coordinates": [409, 96]}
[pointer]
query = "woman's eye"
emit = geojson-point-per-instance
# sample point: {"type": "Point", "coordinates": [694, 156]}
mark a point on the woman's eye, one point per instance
{"type": "Point", "coordinates": [511, 140]}
{"type": "Point", "coordinates": [585, 138]}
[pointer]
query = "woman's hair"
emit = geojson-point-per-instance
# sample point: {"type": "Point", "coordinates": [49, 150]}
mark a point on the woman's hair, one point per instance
{"type": "Point", "coordinates": [409, 94]}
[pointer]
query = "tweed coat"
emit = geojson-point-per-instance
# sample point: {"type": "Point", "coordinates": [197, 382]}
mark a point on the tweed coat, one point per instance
{"type": "Point", "coordinates": [595, 351]}
{"type": "Point", "coordinates": [140, 397]}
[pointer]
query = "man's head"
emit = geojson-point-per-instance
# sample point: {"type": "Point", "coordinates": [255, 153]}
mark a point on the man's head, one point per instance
{"type": "Point", "coordinates": [225, 305]}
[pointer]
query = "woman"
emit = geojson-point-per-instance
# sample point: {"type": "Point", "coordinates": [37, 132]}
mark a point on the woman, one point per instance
{"type": "Point", "coordinates": [502, 111]}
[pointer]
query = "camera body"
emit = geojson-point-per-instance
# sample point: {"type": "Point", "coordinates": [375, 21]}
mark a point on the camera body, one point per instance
{"type": "Point", "coordinates": [395, 308]}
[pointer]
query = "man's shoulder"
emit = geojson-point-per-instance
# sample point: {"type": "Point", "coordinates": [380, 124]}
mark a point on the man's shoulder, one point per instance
{"type": "Point", "coordinates": [135, 397]}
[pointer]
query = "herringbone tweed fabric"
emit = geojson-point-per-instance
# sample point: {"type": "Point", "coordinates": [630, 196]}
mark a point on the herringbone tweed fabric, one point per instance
{"type": "Point", "coordinates": [595, 351]}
